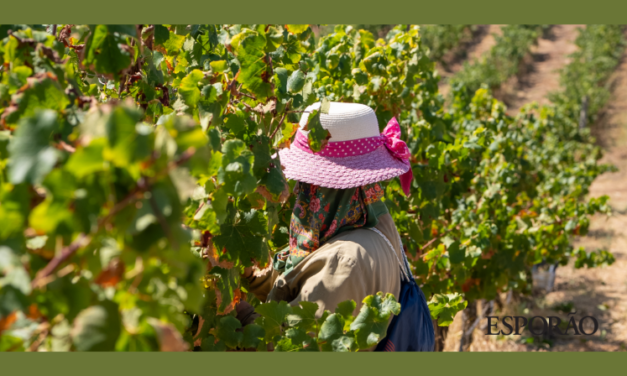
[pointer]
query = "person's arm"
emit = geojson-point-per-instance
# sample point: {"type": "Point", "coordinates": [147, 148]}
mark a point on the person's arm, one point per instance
{"type": "Point", "coordinates": [335, 274]}
{"type": "Point", "coordinates": [260, 283]}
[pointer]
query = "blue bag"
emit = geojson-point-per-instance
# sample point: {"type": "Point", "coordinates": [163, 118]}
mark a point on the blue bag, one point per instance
{"type": "Point", "coordinates": [412, 329]}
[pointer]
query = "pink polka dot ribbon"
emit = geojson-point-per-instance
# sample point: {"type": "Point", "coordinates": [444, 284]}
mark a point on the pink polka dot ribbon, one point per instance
{"type": "Point", "coordinates": [339, 149]}
{"type": "Point", "coordinates": [390, 137]}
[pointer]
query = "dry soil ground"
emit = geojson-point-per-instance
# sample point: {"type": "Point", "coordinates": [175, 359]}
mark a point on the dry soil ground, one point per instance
{"type": "Point", "coordinates": [481, 44]}
{"type": "Point", "coordinates": [600, 292]}
{"type": "Point", "coordinates": [542, 77]}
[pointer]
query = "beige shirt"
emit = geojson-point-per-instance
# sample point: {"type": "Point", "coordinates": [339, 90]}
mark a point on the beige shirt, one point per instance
{"type": "Point", "coordinates": [352, 265]}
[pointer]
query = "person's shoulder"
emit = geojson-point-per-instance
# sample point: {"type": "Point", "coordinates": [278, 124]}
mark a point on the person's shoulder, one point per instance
{"type": "Point", "coordinates": [357, 240]}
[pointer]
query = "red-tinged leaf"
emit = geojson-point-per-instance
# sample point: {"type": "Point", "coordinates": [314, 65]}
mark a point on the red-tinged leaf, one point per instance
{"type": "Point", "coordinates": [33, 312]}
{"type": "Point", "coordinates": [211, 253]}
{"type": "Point", "coordinates": [434, 232]}
{"type": "Point", "coordinates": [201, 322]}
{"type": "Point", "coordinates": [7, 321]}
{"type": "Point", "coordinates": [263, 191]}
{"type": "Point", "coordinates": [236, 299]}
{"type": "Point", "coordinates": [112, 275]}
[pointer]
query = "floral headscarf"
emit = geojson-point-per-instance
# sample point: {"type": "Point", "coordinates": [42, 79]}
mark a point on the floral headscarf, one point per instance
{"type": "Point", "coordinates": [320, 213]}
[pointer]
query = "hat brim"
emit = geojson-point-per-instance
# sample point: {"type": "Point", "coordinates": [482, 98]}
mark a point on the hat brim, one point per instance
{"type": "Point", "coordinates": [341, 173]}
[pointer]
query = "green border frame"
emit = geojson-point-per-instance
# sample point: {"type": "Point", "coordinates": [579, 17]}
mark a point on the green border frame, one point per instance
{"type": "Point", "coordinates": [330, 12]}
{"type": "Point", "coordinates": [383, 364]}
{"type": "Point", "coordinates": [319, 11]}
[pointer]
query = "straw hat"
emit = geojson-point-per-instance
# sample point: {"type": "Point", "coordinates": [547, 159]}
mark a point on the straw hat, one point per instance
{"type": "Point", "coordinates": [356, 154]}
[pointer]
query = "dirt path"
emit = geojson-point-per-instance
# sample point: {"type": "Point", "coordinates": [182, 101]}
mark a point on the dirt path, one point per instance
{"type": "Point", "coordinates": [475, 50]}
{"type": "Point", "coordinates": [542, 76]}
{"type": "Point", "coordinates": [599, 292]}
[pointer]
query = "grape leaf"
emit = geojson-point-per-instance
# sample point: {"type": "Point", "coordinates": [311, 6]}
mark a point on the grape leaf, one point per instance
{"type": "Point", "coordinates": [250, 53]}
{"type": "Point", "coordinates": [174, 44]}
{"type": "Point", "coordinates": [272, 317]}
{"type": "Point", "coordinates": [303, 316]}
{"type": "Point", "coordinates": [162, 34]}
{"type": "Point", "coordinates": [332, 336]}
{"type": "Point", "coordinates": [126, 144]}
{"type": "Point", "coordinates": [43, 91]}
{"type": "Point", "coordinates": [243, 240]}
{"type": "Point", "coordinates": [227, 331]}
{"type": "Point", "coordinates": [297, 29]}
{"type": "Point", "coordinates": [105, 51]}
{"type": "Point", "coordinates": [236, 171]}
{"type": "Point", "coordinates": [253, 336]}
{"type": "Point", "coordinates": [318, 137]}
{"type": "Point", "coordinates": [370, 325]}
{"type": "Point", "coordinates": [189, 88]}
{"type": "Point", "coordinates": [88, 160]}
{"type": "Point", "coordinates": [296, 82]}
{"type": "Point", "coordinates": [97, 328]}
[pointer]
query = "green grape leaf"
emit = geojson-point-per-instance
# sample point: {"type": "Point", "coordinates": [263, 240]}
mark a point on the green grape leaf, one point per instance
{"type": "Point", "coordinates": [236, 122]}
{"type": "Point", "coordinates": [318, 137]}
{"type": "Point", "coordinates": [261, 152]}
{"type": "Point", "coordinates": [375, 63]}
{"type": "Point", "coordinates": [371, 323]}
{"type": "Point", "coordinates": [244, 239]}
{"type": "Point", "coordinates": [325, 106]}
{"type": "Point", "coordinates": [188, 133]}
{"type": "Point", "coordinates": [296, 82]}
{"type": "Point", "coordinates": [456, 254]}
{"type": "Point", "coordinates": [227, 331]}
{"type": "Point", "coordinates": [346, 309]}
{"type": "Point", "coordinates": [236, 171]}
{"type": "Point", "coordinates": [13, 271]}
{"type": "Point", "coordinates": [89, 159]}
{"type": "Point", "coordinates": [249, 47]}
{"type": "Point", "coordinates": [280, 80]}
{"type": "Point", "coordinates": [344, 343]}
{"type": "Point", "coordinates": [218, 66]}
{"type": "Point", "coordinates": [174, 44]}
{"type": "Point", "coordinates": [274, 37]}
{"type": "Point", "coordinates": [97, 328]}
{"type": "Point", "coordinates": [32, 155]}
{"type": "Point", "coordinates": [300, 340]}
{"type": "Point", "coordinates": [253, 336]}
{"type": "Point", "coordinates": [273, 315]}
{"type": "Point", "coordinates": [162, 34]}
{"type": "Point", "coordinates": [189, 88]}
{"type": "Point", "coordinates": [129, 30]}
{"type": "Point", "coordinates": [126, 144]}
{"type": "Point", "coordinates": [107, 52]}
{"type": "Point", "coordinates": [303, 316]}
{"type": "Point", "coordinates": [443, 307]}
{"type": "Point", "coordinates": [42, 92]}
{"type": "Point", "coordinates": [332, 336]}
{"type": "Point", "coordinates": [331, 328]}
{"type": "Point", "coordinates": [285, 345]}
{"type": "Point", "coordinates": [219, 203]}
{"type": "Point", "coordinates": [297, 29]}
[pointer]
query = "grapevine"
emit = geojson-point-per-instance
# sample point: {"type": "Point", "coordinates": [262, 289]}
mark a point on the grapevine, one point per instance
{"type": "Point", "coordinates": [138, 178]}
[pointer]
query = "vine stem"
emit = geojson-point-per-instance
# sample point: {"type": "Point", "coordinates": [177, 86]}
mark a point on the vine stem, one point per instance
{"type": "Point", "coordinates": [280, 123]}
{"type": "Point", "coordinates": [428, 244]}
{"type": "Point", "coordinates": [43, 276]}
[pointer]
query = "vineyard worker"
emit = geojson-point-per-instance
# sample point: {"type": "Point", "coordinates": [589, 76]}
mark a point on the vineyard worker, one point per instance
{"type": "Point", "coordinates": [343, 243]}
